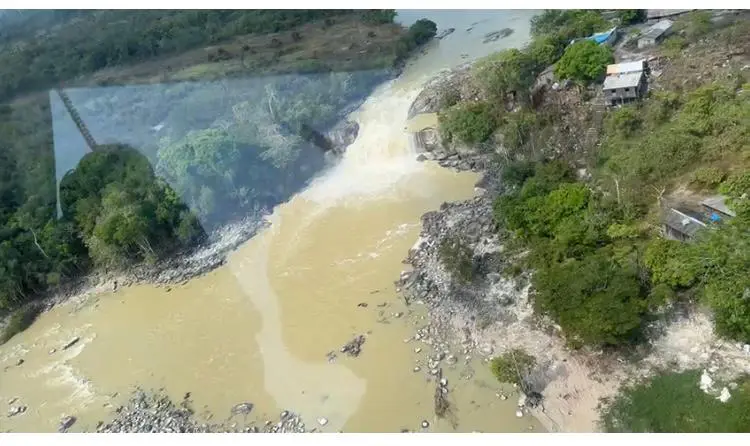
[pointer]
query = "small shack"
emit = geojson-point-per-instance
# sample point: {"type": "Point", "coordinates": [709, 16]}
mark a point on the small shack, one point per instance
{"type": "Point", "coordinates": [625, 82]}
{"type": "Point", "coordinates": [681, 224]}
{"type": "Point", "coordinates": [655, 34]}
{"type": "Point", "coordinates": [716, 210]}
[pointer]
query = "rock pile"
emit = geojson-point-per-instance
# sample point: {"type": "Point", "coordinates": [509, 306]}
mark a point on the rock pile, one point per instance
{"type": "Point", "coordinates": [154, 412]}
{"type": "Point", "coordinates": [354, 347]}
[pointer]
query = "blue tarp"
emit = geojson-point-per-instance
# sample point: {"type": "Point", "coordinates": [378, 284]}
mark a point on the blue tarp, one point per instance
{"type": "Point", "coordinates": [601, 37]}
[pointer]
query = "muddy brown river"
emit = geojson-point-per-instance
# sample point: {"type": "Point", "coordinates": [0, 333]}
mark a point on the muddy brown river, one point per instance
{"type": "Point", "coordinates": [259, 328]}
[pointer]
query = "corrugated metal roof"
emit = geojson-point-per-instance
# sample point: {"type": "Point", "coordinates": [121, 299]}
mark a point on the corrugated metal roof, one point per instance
{"type": "Point", "coordinates": [682, 222]}
{"type": "Point", "coordinates": [657, 13]}
{"type": "Point", "coordinates": [658, 29]}
{"type": "Point", "coordinates": [718, 202]}
{"type": "Point", "coordinates": [622, 80]}
{"type": "Point", "coordinates": [626, 67]}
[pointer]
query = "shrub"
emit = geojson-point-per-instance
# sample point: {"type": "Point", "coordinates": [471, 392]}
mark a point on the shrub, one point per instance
{"type": "Point", "coordinates": [584, 61]}
{"type": "Point", "coordinates": [513, 367]}
{"type": "Point", "coordinates": [470, 123]}
{"type": "Point", "coordinates": [19, 321]}
{"type": "Point", "coordinates": [707, 177]}
{"type": "Point", "coordinates": [630, 16]}
{"type": "Point", "coordinates": [518, 129]}
{"type": "Point", "coordinates": [695, 24]}
{"type": "Point", "coordinates": [624, 122]}
{"type": "Point", "coordinates": [673, 45]}
{"type": "Point", "coordinates": [515, 173]}
{"type": "Point", "coordinates": [458, 258]}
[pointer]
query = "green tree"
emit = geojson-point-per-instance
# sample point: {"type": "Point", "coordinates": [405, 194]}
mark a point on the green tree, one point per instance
{"type": "Point", "coordinates": [470, 122]}
{"type": "Point", "coordinates": [595, 300]}
{"type": "Point", "coordinates": [506, 72]}
{"type": "Point", "coordinates": [458, 258]}
{"type": "Point", "coordinates": [584, 61]}
{"type": "Point", "coordinates": [567, 23]}
{"type": "Point", "coordinates": [672, 263]}
{"type": "Point", "coordinates": [422, 31]}
{"type": "Point", "coordinates": [513, 367]}
{"type": "Point", "coordinates": [630, 16]}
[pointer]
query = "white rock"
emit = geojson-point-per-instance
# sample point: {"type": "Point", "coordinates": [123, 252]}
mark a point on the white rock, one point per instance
{"type": "Point", "coordinates": [322, 421]}
{"type": "Point", "coordinates": [417, 350]}
{"type": "Point", "coordinates": [706, 382]}
{"type": "Point", "coordinates": [725, 395]}
{"type": "Point", "coordinates": [521, 399]}
{"type": "Point", "coordinates": [519, 413]}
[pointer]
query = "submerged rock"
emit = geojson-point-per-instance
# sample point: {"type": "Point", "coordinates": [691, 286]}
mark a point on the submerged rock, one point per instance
{"type": "Point", "coordinates": [242, 408]}
{"type": "Point", "coordinates": [354, 347]}
{"type": "Point", "coordinates": [496, 35]}
{"type": "Point", "coordinates": [445, 33]}
{"type": "Point", "coordinates": [17, 410]}
{"type": "Point", "coordinates": [66, 423]}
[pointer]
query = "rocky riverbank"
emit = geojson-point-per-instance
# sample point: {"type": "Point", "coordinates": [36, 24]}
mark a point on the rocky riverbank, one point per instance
{"type": "Point", "coordinates": [493, 312]}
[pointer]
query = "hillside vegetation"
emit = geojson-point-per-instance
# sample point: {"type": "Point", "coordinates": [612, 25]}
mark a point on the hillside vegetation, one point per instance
{"type": "Point", "coordinates": [583, 188]}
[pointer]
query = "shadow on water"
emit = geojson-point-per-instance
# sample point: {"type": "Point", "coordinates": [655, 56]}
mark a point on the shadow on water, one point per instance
{"type": "Point", "coordinates": [227, 148]}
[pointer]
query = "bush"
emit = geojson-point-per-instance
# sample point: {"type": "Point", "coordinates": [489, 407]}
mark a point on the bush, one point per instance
{"type": "Point", "coordinates": [470, 123]}
{"type": "Point", "coordinates": [737, 190]}
{"type": "Point", "coordinates": [674, 403]}
{"type": "Point", "coordinates": [630, 16]}
{"type": "Point", "coordinates": [584, 61]}
{"type": "Point", "coordinates": [624, 122]}
{"type": "Point", "coordinates": [673, 45]}
{"type": "Point", "coordinates": [707, 177]}
{"type": "Point", "coordinates": [19, 321]}
{"type": "Point", "coordinates": [458, 259]}
{"type": "Point", "coordinates": [513, 367]}
{"type": "Point", "coordinates": [518, 129]}
{"type": "Point", "coordinates": [515, 173]}
{"type": "Point", "coordinates": [695, 24]}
